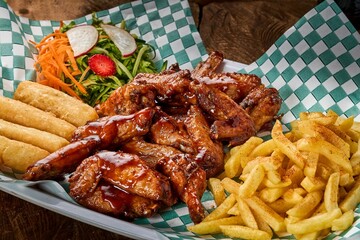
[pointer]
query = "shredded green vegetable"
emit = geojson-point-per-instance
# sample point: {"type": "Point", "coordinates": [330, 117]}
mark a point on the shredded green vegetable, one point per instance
{"type": "Point", "coordinates": [99, 88]}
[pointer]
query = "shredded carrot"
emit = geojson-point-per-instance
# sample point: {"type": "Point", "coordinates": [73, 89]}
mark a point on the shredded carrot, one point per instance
{"type": "Point", "coordinates": [56, 61]}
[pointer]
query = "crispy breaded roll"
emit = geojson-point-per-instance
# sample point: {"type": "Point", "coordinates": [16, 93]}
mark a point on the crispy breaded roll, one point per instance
{"type": "Point", "coordinates": [48, 141]}
{"type": "Point", "coordinates": [51, 100]}
{"type": "Point", "coordinates": [18, 155]}
{"type": "Point", "coordinates": [18, 112]}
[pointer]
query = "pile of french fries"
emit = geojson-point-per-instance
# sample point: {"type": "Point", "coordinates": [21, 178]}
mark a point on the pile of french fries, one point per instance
{"type": "Point", "coordinates": [304, 182]}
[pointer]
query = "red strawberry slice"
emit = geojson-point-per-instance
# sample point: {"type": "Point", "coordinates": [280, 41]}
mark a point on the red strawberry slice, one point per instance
{"type": "Point", "coordinates": [102, 65]}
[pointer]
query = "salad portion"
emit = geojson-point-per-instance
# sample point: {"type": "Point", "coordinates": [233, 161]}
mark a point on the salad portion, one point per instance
{"type": "Point", "coordinates": [90, 61]}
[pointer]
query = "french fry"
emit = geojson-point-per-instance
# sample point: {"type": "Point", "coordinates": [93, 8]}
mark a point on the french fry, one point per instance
{"type": "Point", "coordinates": [352, 199]}
{"type": "Point", "coordinates": [251, 184]}
{"type": "Point", "coordinates": [343, 222]}
{"type": "Point", "coordinates": [307, 205]}
{"type": "Point", "coordinates": [262, 224]}
{"type": "Point", "coordinates": [243, 232]}
{"type": "Point", "coordinates": [314, 223]}
{"type": "Point", "coordinates": [269, 195]}
{"type": "Point", "coordinates": [327, 149]}
{"type": "Point", "coordinates": [331, 192]}
{"type": "Point", "coordinates": [275, 221]}
{"type": "Point", "coordinates": [292, 196]}
{"type": "Point", "coordinates": [213, 226]}
{"type": "Point", "coordinates": [222, 209]}
{"type": "Point", "coordinates": [217, 190]}
{"type": "Point", "coordinates": [286, 146]}
{"type": "Point", "coordinates": [246, 214]}
{"type": "Point", "coordinates": [273, 176]}
{"type": "Point", "coordinates": [230, 185]}
{"type": "Point", "coordinates": [312, 184]}
{"type": "Point", "coordinates": [234, 210]}
{"type": "Point", "coordinates": [264, 149]}
{"type": "Point", "coordinates": [281, 206]}
{"type": "Point", "coordinates": [311, 164]}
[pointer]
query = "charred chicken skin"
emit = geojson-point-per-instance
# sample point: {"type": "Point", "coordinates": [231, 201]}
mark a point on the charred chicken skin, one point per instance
{"type": "Point", "coordinates": [159, 138]}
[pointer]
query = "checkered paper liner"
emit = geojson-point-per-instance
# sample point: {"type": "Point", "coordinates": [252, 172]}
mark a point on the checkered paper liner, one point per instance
{"type": "Point", "coordinates": [315, 65]}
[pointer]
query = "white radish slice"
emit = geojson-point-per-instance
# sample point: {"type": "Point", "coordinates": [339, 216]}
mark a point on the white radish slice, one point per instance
{"type": "Point", "coordinates": [82, 39]}
{"type": "Point", "coordinates": [121, 38]}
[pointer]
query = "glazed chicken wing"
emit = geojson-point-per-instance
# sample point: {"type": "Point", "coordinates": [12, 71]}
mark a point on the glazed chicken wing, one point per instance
{"type": "Point", "coordinates": [112, 200]}
{"type": "Point", "coordinates": [127, 99]}
{"type": "Point", "coordinates": [209, 66]}
{"type": "Point", "coordinates": [101, 134]}
{"type": "Point", "coordinates": [124, 170]}
{"type": "Point", "coordinates": [231, 122]}
{"type": "Point", "coordinates": [209, 152]}
{"type": "Point", "coordinates": [188, 180]}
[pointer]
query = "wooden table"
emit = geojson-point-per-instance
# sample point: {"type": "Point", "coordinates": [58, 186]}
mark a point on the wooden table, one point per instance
{"type": "Point", "coordinates": [242, 30]}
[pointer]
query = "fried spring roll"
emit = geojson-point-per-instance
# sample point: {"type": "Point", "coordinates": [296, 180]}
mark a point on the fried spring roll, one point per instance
{"type": "Point", "coordinates": [18, 155]}
{"type": "Point", "coordinates": [51, 100]}
{"type": "Point", "coordinates": [18, 112]}
{"type": "Point", "coordinates": [47, 141]}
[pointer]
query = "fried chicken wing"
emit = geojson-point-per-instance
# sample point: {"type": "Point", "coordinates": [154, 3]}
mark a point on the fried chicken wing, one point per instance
{"type": "Point", "coordinates": [127, 99]}
{"type": "Point", "coordinates": [171, 87]}
{"type": "Point", "coordinates": [262, 104]}
{"type": "Point", "coordinates": [167, 131]}
{"type": "Point", "coordinates": [231, 122]}
{"type": "Point", "coordinates": [64, 160]}
{"type": "Point", "coordinates": [188, 180]}
{"type": "Point", "coordinates": [209, 152]}
{"type": "Point", "coordinates": [149, 152]}
{"type": "Point", "coordinates": [112, 200]}
{"type": "Point", "coordinates": [124, 170]}
{"type": "Point", "coordinates": [236, 85]}
{"type": "Point", "coordinates": [209, 66]}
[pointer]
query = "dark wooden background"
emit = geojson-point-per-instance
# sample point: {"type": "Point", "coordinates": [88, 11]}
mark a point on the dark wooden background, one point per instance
{"type": "Point", "coordinates": [242, 29]}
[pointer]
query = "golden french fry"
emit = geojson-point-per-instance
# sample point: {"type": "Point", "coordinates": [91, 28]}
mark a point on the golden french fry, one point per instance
{"type": "Point", "coordinates": [292, 196]}
{"type": "Point", "coordinates": [230, 185]}
{"type": "Point", "coordinates": [217, 190]}
{"type": "Point", "coordinates": [355, 158]}
{"type": "Point", "coordinates": [312, 184]}
{"type": "Point", "coordinates": [311, 164]}
{"type": "Point", "coordinates": [234, 210]}
{"type": "Point", "coordinates": [331, 192]}
{"type": "Point", "coordinates": [243, 232]}
{"type": "Point", "coordinates": [295, 174]}
{"type": "Point", "coordinates": [352, 199]}
{"type": "Point", "coordinates": [286, 146]}
{"type": "Point", "coordinates": [246, 148]}
{"type": "Point", "coordinates": [319, 118]}
{"type": "Point", "coordinates": [327, 149]}
{"type": "Point", "coordinates": [264, 149]}
{"type": "Point", "coordinates": [307, 205]}
{"type": "Point", "coordinates": [285, 183]}
{"type": "Point", "coordinates": [346, 123]}
{"type": "Point", "coordinates": [269, 195]}
{"type": "Point", "coordinates": [275, 221]}
{"type": "Point", "coordinates": [273, 176]}
{"type": "Point", "coordinates": [222, 209]}
{"type": "Point", "coordinates": [251, 184]}
{"type": "Point", "coordinates": [281, 206]}
{"type": "Point", "coordinates": [343, 222]}
{"type": "Point", "coordinates": [313, 129]}
{"type": "Point", "coordinates": [213, 226]}
{"type": "Point", "coordinates": [262, 224]}
{"type": "Point", "coordinates": [246, 214]}
{"type": "Point", "coordinates": [315, 223]}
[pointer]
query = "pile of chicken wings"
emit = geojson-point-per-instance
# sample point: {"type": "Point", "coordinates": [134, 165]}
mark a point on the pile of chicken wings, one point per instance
{"type": "Point", "coordinates": [159, 138]}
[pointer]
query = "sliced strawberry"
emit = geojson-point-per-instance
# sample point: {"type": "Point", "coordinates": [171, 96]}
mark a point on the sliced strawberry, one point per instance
{"type": "Point", "coordinates": [102, 65]}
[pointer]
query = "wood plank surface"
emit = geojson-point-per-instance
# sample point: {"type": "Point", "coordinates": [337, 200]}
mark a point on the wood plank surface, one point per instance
{"type": "Point", "coordinates": [242, 29]}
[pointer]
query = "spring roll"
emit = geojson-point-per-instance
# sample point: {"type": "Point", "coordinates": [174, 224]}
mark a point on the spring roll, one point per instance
{"type": "Point", "coordinates": [51, 100]}
{"type": "Point", "coordinates": [18, 155]}
{"type": "Point", "coordinates": [48, 141]}
{"type": "Point", "coordinates": [23, 114]}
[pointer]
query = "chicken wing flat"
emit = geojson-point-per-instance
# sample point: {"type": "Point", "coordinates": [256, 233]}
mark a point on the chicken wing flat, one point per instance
{"type": "Point", "coordinates": [104, 133]}
{"type": "Point", "coordinates": [209, 152]}
{"type": "Point", "coordinates": [114, 201]}
{"type": "Point", "coordinates": [236, 85]}
{"type": "Point", "coordinates": [209, 66]}
{"type": "Point", "coordinates": [116, 129]}
{"type": "Point", "coordinates": [127, 99]}
{"type": "Point", "coordinates": [149, 152]}
{"type": "Point", "coordinates": [188, 180]}
{"type": "Point", "coordinates": [167, 131]}
{"type": "Point", "coordinates": [172, 87]}
{"type": "Point", "coordinates": [262, 104]}
{"type": "Point", "coordinates": [231, 122]}
{"type": "Point", "coordinates": [124, 170]}
{"type": "Point", "coordinates": [64, 160]}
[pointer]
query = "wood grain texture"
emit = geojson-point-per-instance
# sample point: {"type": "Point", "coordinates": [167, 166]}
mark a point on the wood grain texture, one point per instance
{"type": "Point", "coordinates": [242, 29]}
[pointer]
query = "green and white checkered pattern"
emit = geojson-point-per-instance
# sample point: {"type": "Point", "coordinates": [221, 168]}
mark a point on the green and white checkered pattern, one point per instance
{"type": "Point", "coordinates": [315, 65]}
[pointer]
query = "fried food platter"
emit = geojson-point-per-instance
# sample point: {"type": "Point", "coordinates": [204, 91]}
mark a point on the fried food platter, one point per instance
{"type": "Point", "coordinates": [51, 195]}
